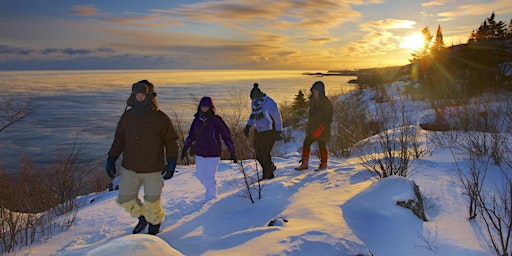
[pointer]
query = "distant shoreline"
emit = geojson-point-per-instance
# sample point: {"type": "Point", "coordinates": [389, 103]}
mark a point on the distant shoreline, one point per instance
{"type": "Point", "coordinates": [332, 73]}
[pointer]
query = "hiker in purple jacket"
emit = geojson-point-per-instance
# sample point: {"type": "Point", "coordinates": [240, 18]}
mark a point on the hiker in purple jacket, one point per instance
{"type": "Point", "coordinates": [204, 141]}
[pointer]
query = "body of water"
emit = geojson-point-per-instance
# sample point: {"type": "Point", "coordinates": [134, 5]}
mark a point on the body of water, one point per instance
{"type": "Point", "coordinates": [88, 104]}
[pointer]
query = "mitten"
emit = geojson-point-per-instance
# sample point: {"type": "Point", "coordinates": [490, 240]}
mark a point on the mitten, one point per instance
{"type": "Point", "coordinates": [318, 132]}
{"type": "Point", "coordinates": [278, 136]}
{"type": "Point", "coordinates": [111, 166]}
{"type": "Point", "coordinates": [232, 157]}
{"type": "Point", "coordinates": [247, 130]}
{"type": "Point", "coordinates": [169, 169]}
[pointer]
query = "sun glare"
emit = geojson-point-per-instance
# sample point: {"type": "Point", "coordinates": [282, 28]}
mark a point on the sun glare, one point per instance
{"type": "Point", "coordinates": [412, 42]}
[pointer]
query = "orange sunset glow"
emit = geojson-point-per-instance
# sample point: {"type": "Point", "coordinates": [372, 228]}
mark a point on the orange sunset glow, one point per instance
{"type": "Point", "coordinates": [228, 34]}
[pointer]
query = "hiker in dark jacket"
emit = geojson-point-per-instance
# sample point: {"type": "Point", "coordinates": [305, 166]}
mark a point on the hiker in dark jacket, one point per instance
{"type": "Point", "coordinates": [318, 127]}
{"type": "Point", "coordinates": [204, 139]}
{"type": "Point", "coordinates": [146, 137]}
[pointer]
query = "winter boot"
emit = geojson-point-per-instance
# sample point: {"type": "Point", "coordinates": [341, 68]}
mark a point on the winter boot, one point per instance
{"type": "Point", "coordinates": [154, 229]}
{"type": "Point", "coordinates": [141, 225]}
{"type": "Point", "coordinates": [323, 160]}
{"type": "Point", "coordinates": [305, 160]}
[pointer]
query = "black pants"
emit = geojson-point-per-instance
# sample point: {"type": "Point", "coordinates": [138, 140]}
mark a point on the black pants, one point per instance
{"type": "Point", "coordinates": [263, 143]}
{"type": "Point", "coordinates": [322, 144]}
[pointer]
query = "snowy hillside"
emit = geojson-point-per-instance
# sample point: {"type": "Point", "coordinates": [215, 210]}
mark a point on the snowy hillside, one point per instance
{"type": "Point", "coordinates": [334, 212]}
{"type": "Point", "coordinates": [339, 211]}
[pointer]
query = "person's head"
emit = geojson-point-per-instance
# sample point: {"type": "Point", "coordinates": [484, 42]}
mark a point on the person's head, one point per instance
{"type": "Point", "coordinates": [140, 90]}
{"type": "Point", "coordinates": [256, 92]}
{"type": "Point", "coordinates": [318, 89]}
{"type": "Point", "coordinates": [143, 92]}
{"type": "Point", "coordinates": [206, 104]}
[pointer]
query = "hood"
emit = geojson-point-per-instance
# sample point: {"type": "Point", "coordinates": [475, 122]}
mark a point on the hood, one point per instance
{"type": "Point", "coordinates": [206, 101]}
{"type": "Point", "coordinates": [319, 86]}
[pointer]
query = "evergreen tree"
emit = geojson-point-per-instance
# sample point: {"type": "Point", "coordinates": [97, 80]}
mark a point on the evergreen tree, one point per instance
{"type": "Point", "coordinates": [424, 51]}
{"type": "Point", "coordinates": [489, 30]}
{"type": "Point", "coordinates": [299, 102]}
{"type": "Point", "coordinates": [488, 51]}
{"type": "Point", "coordinates": [438, 42]}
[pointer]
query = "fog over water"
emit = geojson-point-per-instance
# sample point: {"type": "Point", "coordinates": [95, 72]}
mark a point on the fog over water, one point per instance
{"type": "Point", "coordinates": [87, 104]}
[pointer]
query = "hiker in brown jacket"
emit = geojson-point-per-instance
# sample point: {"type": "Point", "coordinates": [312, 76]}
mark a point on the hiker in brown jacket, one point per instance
{"type": "Point", "coordinates": [146, 137]}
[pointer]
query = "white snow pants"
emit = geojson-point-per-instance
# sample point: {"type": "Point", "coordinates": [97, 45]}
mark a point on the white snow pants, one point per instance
{"type": "Point", "coordinates": [206, 168]}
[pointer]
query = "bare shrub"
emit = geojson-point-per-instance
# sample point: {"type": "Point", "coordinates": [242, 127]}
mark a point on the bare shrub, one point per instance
{"type": "Point", "coordinates": [35, 203]}
{"type": "Point", "coordinates": [351, 123]}
{"type": "Point", "coordinates": [181, 128]}
{"type": "Point", "coordinates": [13, 111]}
{"type": "Point", "coordinates": [391, 152]}
{"type": "Point", "coordinates": [496, 212]}
{"type": "Point", "coordinates": [236, 121]}
{"type": "Point", "coordinates": [252, 180]}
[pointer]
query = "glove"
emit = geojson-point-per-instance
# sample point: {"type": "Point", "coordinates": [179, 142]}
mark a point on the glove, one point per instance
{"type": "Point", "coordinates": [278, 136]}
{"type": "Point", "coordinates": [318, 131]}
{"type": "Point", "coordinates": [247, 130]}
{"type": "Point", "coordinates": [232, 157]}
{"type": "Point", "coordinates": [183, 156]}
{"type": "Point", "coordinates": [183, 153]}
{"type": "Point", "coordinates": [169, 169]}
{"type": "Point", "coordinates": [111, 166]}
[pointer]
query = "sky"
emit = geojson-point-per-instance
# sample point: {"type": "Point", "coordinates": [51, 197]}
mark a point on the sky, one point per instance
{"type": "Point", "coordinates": [229, 34]}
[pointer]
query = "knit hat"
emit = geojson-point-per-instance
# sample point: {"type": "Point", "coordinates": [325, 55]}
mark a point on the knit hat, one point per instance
{"type": "Point", "coordinates": [140, 88]}
{"type": "Point", "coordinates": [256, 92]}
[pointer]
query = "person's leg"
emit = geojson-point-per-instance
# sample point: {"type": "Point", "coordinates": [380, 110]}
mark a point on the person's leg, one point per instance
{"type": "Point", "coordinates": [129, 185]}
{"type": "Point", "coordinates": [306, 150]}
{"type": "Point", "coordinates": [153, 185]}
{"type": "Point", "coordinates": [212, 164]}
{"type": "Point", "coordinates": [266, 143]}
{"type": "Point", "coordinates": [324, 154]}
{"type": "Point", "coordinates": [201, 166]}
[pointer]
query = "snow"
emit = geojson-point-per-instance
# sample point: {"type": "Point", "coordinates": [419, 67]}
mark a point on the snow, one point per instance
{"type": "Point", "coordinates": [339, 211]}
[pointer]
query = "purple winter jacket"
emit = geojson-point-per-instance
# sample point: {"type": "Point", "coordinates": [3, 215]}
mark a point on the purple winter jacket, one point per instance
{"type": "Point", "coordinates": [208, 144]}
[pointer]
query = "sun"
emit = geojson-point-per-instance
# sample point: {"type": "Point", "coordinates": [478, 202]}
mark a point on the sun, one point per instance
{"type": "Point", "coordinates": [413, 42]}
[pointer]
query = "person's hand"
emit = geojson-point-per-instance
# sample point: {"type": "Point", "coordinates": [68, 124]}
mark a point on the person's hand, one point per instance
{"type": "Point", "coordinates": [278, 136]}
{"type": "Point", "coordinates": [232, 156]}
{"type": "Point", "coordinates": [183, 156]}
{"type": "Point", "coordinates": [111, 166]}
{"type": "Point", "coordinates": [247, 130]}
{"type": "Point", "coordinates": [318, 132]}
{"type": "Point", "coordinates": [169, 169]}
{"type": "Point", "coordinates": [183, 153]}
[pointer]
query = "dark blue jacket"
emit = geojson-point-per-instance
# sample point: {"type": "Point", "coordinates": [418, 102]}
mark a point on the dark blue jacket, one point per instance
{"type": "Point", "coordinates": [208, 144]}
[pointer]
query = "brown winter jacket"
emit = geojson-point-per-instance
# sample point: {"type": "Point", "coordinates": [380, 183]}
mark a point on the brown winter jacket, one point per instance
{"type": "Point", "coordinates": [145, 140]}
{"type": "Point", "coordinates": [320, 114]}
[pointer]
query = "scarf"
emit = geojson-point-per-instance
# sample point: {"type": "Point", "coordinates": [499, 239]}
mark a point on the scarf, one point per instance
{"type": "Point", "coordinates": [204, 116]}
{"type": "Point", "coordinates": [140, 107]}
{"type": "Point", "coordinates": [257, 107]}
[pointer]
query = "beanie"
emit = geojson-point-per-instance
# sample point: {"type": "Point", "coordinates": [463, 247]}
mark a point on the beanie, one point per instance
{"type": "Point", "coordinates": [256, 92]}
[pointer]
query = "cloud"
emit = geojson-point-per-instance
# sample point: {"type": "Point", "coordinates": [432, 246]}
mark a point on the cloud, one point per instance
{"type": "Point", "coordinates": [433, 3]}
{"type": "Point", "coordinates": [387, 24]}
{"type": "Point", "coordinates": [81, 10]}
{"type": "Point", "coordinates": [311, 15]}
{"type": "Point", "coordinates": [14, 50]}
{"type": "Point", "coordinates": [380, 38]}
{"type": "Point", "coordinates": [498, 6]}
{"type": "Point", "coordinates": [321, 40]}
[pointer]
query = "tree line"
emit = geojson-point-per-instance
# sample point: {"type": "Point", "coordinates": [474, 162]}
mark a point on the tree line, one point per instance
{"type": "Point", "coordinates": [482, 64]}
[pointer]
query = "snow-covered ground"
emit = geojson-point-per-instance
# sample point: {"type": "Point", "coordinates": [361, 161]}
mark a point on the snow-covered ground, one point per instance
{"type": "Point", "coordinates": [334, 212]}
{"type": "Point", "coordinates": [339, 211]}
